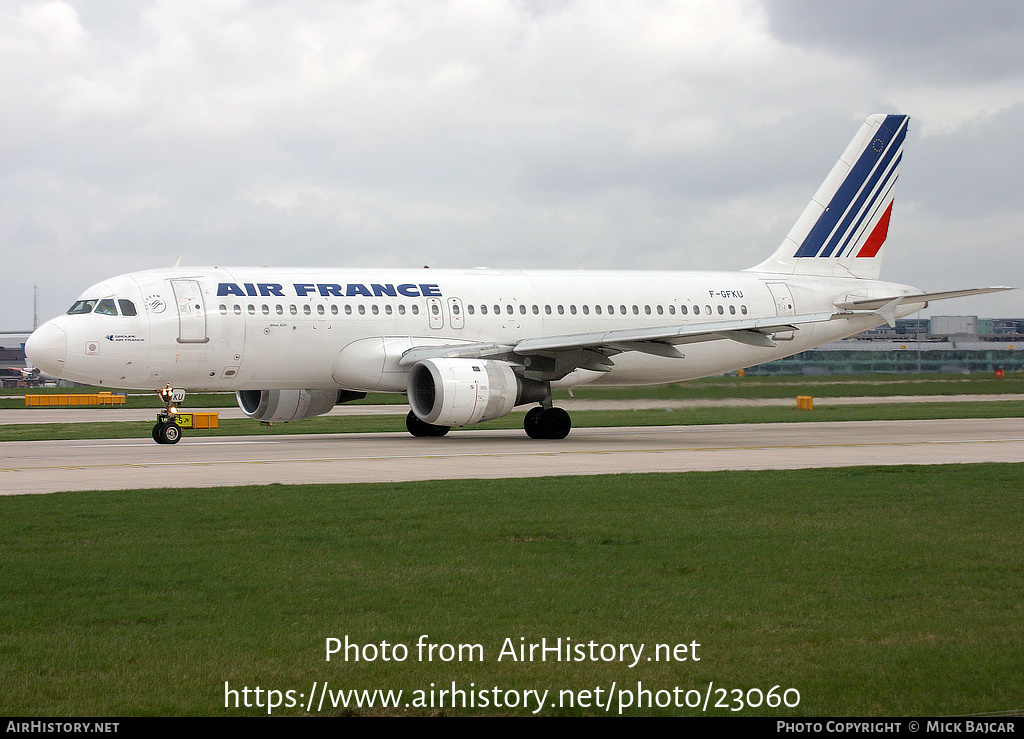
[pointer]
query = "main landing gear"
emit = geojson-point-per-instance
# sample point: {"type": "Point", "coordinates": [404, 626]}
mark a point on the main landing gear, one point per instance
{"type": "Point", "coordinates": [423, 429]}
{"type": "Point", "coordinates": [540, 423]}
{"type": "Point", "coordinates": [547, 423]}
{"type": "Point", "coordinates": [167, 430]}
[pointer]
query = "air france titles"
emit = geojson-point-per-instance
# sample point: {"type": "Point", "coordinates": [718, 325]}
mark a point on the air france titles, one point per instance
{"type": "Point", "coordinates": [329, 290]}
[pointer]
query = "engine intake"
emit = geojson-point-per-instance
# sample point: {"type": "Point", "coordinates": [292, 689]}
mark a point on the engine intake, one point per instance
{"type": "Point", "coordinates": [460, 392]}
{"type": "Point", "coordinates": [281, 406]}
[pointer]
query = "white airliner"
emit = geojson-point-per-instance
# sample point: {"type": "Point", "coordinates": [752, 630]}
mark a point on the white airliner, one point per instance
{"type": "Point", "coordinates": [470, 345]}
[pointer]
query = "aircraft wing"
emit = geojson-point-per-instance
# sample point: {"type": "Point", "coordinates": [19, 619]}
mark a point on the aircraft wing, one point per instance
{"type": "Point", "coordinates": [559, 355]}
{"type": "Point", "coordinates": [555, 356]}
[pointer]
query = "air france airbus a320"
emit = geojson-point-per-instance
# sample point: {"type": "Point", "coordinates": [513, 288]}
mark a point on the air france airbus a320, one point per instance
{"type": "Point", "coordinates": [469, 346]}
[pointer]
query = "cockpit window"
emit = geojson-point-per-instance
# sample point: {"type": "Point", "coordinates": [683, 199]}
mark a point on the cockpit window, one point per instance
{"type": "Point", "coordinates": [106, 307]}
{"type": "Point", "coordinates": [82, 306]}
{"type": "Point", "coordinates": [127, 307]}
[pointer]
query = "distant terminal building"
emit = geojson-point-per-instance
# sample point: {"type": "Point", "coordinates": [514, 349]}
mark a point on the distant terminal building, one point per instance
{"type": "Point", "coordinates": [12, 356]}
{"type": "Point", "coordinates": [941, 344]}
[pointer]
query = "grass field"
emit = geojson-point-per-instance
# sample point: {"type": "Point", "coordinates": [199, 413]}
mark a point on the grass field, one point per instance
{"type": "Point", "coordinates": [871, 591]}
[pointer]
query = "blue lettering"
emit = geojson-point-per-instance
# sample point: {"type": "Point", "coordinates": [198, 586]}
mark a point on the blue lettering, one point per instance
{"type": "Point", "coordinates": [331, 290]}
{"type": "Point", "coordinates": [270, 288]}
{"type": "Point", "coordinates": [229, 288]}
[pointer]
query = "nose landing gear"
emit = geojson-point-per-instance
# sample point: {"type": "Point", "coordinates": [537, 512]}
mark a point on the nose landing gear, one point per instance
{"type": "Point", "coordinates": [167, 430]}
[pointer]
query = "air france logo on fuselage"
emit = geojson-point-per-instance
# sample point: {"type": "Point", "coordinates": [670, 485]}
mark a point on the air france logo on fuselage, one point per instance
{"type": "Point", "coordinates": [123, 337]}
{"type": "Point", "coordinates": [329, 290]}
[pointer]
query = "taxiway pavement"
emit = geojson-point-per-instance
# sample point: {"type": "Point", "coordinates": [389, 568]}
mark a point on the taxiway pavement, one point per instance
{"type": "Point", "coordinates": [51, 466]}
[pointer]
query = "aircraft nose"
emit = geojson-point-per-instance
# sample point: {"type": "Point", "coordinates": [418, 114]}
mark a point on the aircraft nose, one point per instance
{"type": "Point", "coordinates": [47, 348]}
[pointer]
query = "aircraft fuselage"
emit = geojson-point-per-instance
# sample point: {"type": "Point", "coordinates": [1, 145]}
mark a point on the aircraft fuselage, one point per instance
{"type": "Point", "coordinates": [253, 329]}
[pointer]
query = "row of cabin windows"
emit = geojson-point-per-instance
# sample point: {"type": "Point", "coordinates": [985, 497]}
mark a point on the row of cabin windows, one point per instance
{"type": "Point", "coordinates": [321, 310]}
{"type": "Point", "coordinates": [598, 310]}
{"type": "Point", "coordinates": [401, 309]}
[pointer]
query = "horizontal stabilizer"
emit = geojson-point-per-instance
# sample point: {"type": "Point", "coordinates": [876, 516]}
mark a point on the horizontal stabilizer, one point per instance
{"type": "Point", "coordinates": [872, 304]}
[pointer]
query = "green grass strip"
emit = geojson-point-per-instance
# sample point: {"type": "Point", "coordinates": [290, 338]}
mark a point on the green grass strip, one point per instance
{"type": "Point", "coordinates": [877, 591]}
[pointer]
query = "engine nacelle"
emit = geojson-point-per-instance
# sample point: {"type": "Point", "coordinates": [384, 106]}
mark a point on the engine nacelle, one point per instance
{"type": "Point", "coordinates": [281, 406]}
{"type": "Point", "coordinates": [460, 392]}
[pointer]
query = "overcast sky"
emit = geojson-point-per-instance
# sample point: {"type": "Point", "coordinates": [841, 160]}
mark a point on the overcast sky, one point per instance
{"type": "Point", "coordinates": [499, 133]}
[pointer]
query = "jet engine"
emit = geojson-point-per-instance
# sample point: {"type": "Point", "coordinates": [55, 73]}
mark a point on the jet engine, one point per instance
{"type": "Point", "coordinates": [460, 392]}
{"type": "Point", "coordinates": [280, 406]}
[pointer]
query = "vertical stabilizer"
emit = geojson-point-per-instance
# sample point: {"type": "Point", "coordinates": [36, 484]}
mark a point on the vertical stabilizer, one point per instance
{"type": "Point", "coordinates": [843, 229]}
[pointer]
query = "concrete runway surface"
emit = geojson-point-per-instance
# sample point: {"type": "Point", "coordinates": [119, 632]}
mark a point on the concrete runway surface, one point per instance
{"type": "Point", "coordinates": [51, 466]}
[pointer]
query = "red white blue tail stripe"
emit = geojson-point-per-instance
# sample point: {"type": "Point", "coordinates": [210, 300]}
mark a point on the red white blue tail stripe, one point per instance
{"type": "Point", "coordinates": [864, 199]}
{"type": "Point", "coordinates": [843, 228]}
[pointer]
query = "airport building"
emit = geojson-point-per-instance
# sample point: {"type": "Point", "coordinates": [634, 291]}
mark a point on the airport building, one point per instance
{"type": "Point", "coordinates": [941, 344]}
{"type": "Point", "coordinates": [12, 356]}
